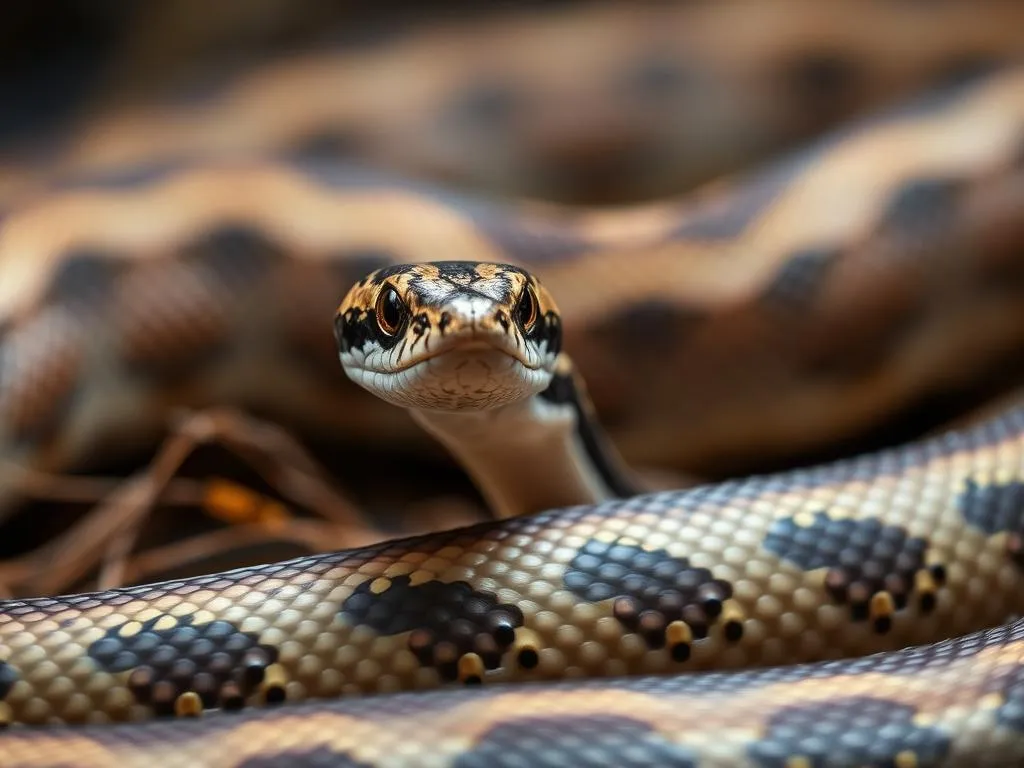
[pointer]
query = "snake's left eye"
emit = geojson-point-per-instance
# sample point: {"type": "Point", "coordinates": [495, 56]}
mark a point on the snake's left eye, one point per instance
{"type": "Point", "coordinates": [390, 311]}
{"type": "Point", "coordinates": [526, 310]}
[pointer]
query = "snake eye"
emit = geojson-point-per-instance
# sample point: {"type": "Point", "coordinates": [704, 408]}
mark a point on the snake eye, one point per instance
{"type": "Point", "coordinates": [526, 310]}
{"type": "Point", "coordinates": [390, 311]}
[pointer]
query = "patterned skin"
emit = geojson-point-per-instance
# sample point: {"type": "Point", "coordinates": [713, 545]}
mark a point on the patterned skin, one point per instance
{"type": "Point", "coordinates": [837, 290]}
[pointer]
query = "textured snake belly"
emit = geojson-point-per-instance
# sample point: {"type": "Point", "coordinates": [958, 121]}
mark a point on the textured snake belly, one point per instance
{"type": "Point", "coordinates": [853, 294]}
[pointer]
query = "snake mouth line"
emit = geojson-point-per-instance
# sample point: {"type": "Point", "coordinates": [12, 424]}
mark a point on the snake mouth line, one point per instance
{"type": "Point", "coordinates": [463, 345]}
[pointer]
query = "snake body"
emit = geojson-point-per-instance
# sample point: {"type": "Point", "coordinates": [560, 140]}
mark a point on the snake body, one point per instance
{"type": "Point", "coordinates": [864, 555]}
{"type": "Point", "coordinates": [474, 350]}
{"type": "Point", "coordinates": [898, 247]}
{"type": "Point", "coordinates": [650, 98]}
{"type": "Point", "coordinates": [220, 295]}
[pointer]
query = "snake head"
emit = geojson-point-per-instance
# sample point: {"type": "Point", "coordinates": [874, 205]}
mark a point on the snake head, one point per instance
{"type": "Point", "coordinates": [449, 335]}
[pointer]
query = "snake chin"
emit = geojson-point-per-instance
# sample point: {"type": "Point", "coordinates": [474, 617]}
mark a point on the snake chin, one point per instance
{"type": "Point", "coordinates": [474, 377]}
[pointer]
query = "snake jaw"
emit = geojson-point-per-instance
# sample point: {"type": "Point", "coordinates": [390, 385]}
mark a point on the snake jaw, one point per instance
{"type": "Point", "coordinates": [473, 365]}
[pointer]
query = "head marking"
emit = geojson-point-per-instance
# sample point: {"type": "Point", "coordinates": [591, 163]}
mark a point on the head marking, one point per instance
{"type": "Point", "coordinates": [449, 335]}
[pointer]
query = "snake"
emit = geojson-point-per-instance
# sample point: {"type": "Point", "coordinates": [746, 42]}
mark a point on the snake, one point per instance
{"type": "Point", "coordinates": [764, 620]}
{"type": "Point", "coordinates": [649, 99]}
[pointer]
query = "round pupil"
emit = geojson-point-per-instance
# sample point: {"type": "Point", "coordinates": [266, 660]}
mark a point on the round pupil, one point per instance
{"type": "Point", "coordinates": [389, 310]}
{"type": "Point", "coordinates": [527, 309]}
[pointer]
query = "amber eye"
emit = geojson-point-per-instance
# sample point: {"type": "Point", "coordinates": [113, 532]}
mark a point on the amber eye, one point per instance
{"type": "Point", "coordinates": [390, 311]}
{"type": "Point", "coordinates": [526, 311]}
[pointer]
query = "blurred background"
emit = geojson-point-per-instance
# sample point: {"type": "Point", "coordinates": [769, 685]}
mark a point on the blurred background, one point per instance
{"type": "Point", "coordinates": [573, 108]}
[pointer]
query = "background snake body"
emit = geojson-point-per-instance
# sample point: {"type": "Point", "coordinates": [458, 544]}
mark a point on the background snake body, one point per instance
{"type": "Point", "coordinates": [876, 271]}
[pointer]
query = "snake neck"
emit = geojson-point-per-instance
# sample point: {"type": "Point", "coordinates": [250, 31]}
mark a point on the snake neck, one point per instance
{"type": "Point", "coordinates": [542, 453]}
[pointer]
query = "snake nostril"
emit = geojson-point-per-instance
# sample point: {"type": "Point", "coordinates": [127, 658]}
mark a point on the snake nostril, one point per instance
{"type": "Point", "coordinates": [444, 322]}
{"type": "Point", "coordinates": [502, 319]}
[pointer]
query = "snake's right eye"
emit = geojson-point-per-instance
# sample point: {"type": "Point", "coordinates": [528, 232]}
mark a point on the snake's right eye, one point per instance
{"type": "Point", "coordinates": [390, 311]}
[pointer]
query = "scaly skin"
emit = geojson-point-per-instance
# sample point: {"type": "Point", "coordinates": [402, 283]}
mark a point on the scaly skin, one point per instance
{"type": "Point", "coordinates": [808, 306]}
{"type": "Point", "coordinates": [849, 276]}
{"type": "Point", "coordinates": [875, 553]}
{"type": "Point", "coordinates": [650, 98]}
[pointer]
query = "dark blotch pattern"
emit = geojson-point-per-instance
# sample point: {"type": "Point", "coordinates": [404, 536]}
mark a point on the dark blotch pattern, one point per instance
{"type": "Point", "coordinates": [658, 76]}
{"type": "Point", "coordinates": [446, 620]}
{"type": "Point", "coordinates": [216, 660]}
{"type": "Point", "coordinates": [326, 145]}
{"type": "Point", "coordinates": [8, 677]}
{"type": "Point", "coordinates": [921, 204]}
{"type": "Point", "coordinates": [798, 283]}
{"type": "Point", "coordinates": [821, 77]}
{"type": "Point", "coordinates": [997, 508]}
{"type": "Point", "coordinates": [236, 253]}
{"type": "Point", "coordinates": [864, 558]}
{"type": "Point", "coordinates": [650, 329]}
{"type": "Point", "coordinates": [487, 104]}
{"type": "Point", "coordinates": [321, 757]}
{"type": "Point", "coordinates": [582, 742]}
{"type": "Point", "coordinates": [84, 279]}
{"type": "Point", "coordinates": [858, 731]}
{"type": "Point", "coordinates": [650, 589]}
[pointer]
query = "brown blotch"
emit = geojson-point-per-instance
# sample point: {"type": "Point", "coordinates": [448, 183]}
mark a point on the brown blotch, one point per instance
{"type": "Point", "coordinates": [649, 589]}
{"type": "Point", "coordinates": [42, 361]}
{"type": "Point", "coordinates": [170, 318]}
{"type": "Point", "coordinates": [167, 656]}
{"type": "Point", "coordinates": [444, 620]}
{"type": "Point", "coordinates": [870, 566]}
